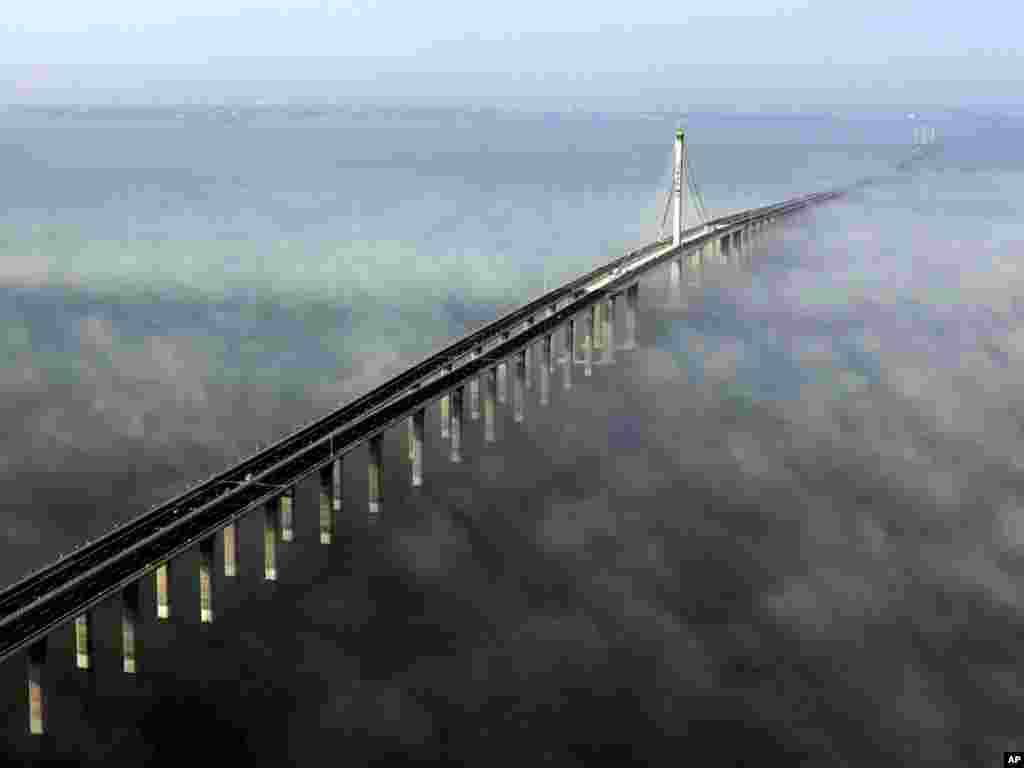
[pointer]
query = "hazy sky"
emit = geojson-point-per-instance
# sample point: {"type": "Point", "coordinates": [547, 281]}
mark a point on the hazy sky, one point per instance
{"type": "Point", "coordinates": [531, 53]}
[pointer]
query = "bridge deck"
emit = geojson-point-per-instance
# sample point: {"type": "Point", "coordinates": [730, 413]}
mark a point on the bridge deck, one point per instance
{"type": "Point", "coordinates": [54, 595]}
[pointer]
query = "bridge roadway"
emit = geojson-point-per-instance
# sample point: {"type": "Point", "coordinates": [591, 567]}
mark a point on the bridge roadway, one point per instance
{"type": "Point", "coordinates": [54, 595]}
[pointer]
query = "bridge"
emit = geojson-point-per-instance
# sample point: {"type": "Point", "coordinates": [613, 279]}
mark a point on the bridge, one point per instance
{"type": "Point", "coordinates": [564, 328]}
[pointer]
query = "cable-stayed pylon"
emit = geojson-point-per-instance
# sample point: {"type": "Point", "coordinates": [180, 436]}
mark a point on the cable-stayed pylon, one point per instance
{"type": "Point", "coordinates": [693, 198]}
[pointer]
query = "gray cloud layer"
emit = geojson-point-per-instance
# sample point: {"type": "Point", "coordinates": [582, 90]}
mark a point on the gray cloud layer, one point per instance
{"type": "Point", "coordinates": [662, 569]}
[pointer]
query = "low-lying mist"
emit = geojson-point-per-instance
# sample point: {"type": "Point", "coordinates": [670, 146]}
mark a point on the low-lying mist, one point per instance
{"type": "Point", "coordinates": [784, 529]}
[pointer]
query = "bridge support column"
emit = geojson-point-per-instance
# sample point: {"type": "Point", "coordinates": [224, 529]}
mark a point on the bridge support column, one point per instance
{"type": "Point", "coordinates": [231, 549]}
{"type": "Point", "coordinates": [518, 386]}
{"type": "Point", "coordinates": [376, 477]}
{"type": "Point", "coordinates": [83, 639]}
{"type": "Point", "coordinates": [411, 438]}
{"type": "Point", "coordinates": [206, 579]}
{"type": "Point", "coordinates": [674, 282]}
{"type": "Point", "coordinates": [474, 393]}
{"type": "Point", "coordinates": [528, 366]}
{"type": "Point", "coordinates": [446, 419]}
{"type": "Point", "coordinates": [545, 370]}
{"type": "Point", "coordinates": [569, 358]}
{"type": "Point", "coordinates": [327, 504]}
{"type": "Point", "coordinates": [418, 421]}
{"type": "Point", "coordinates": [163, 584]}
{"type": "Point", "coordinates": [609, 331]}
{"type": "Point", "coordinates": [457, 399]}
{"type": "Point", "coordinates": [694, 274]}
{"type": "Point", "coordinates": [129, 621]}
{"type": "Point", "coordinates": [597, 329]}
{"type": "Point", "coordinates": [588, 341]}
{"type": "Point", "coordinates": [632, 300]}
{"type": "Point", "coordinates": [286, 503]}
{"type": "Point", "coordinates": [36, 695]}
{"type": "Point", "coordinates": [502, 375]}
{"type": "Point", "coordinates": [270, 541]}
{"type": "Point", "coordinates": [490, 387]}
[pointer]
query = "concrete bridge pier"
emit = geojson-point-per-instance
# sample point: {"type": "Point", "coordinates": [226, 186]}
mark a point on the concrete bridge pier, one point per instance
{"type": "Point", "coordinates": [502, 376]}
{"type": "Point", "coordinates": [163, 597]}
{"type": "Point", "coordinates": [206, 579]}
{"type": "Point", "coordinates": [608, 358]}
{"type": "Point", "coordinates": [675, 273]}
{"type": "Point", "coordinates": [286, 504]}
{"type": "Point", "coordinates": [446, 419]}
{"type": "Point", "coordinates": [270, 519]}
{"type": "Point", "coordinates": [418, 420]}
{"type": "Point", "coordinates": [569, 341]}
{"type": "Point", "coordinates": [490, 387]}
{"type": "Point", "coordinates": [570, 354]}
{"type": "Point", "coordinates": [632, 300]}
{"type": "Point", "coordinates": [474, 392]}
{"type": "Point", "coordinates": [231, 549]}
{"type": "Point", "coordinates": [457, 398]}
{"type": "Point", "coordinates": [545, 370]}
{"type": "Point", "coordinates": [83, 639]}
{"type": "Point", "coordinates": [518, 388]}
{"type": "Point", "coordinates": [697, 261]}
{"type": "Point", "coordinates": [36, 694]}
{"type": "Point", "coordinates": [588, 343]}
{"type": "Point", "coordinates": [129, 623]}
{"type": "Point", "coordinates": [528, 366]}
{"type": "Point", "coordinates": [376, 477]}
{"type": "Point", "coordinates": [326, 499]}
